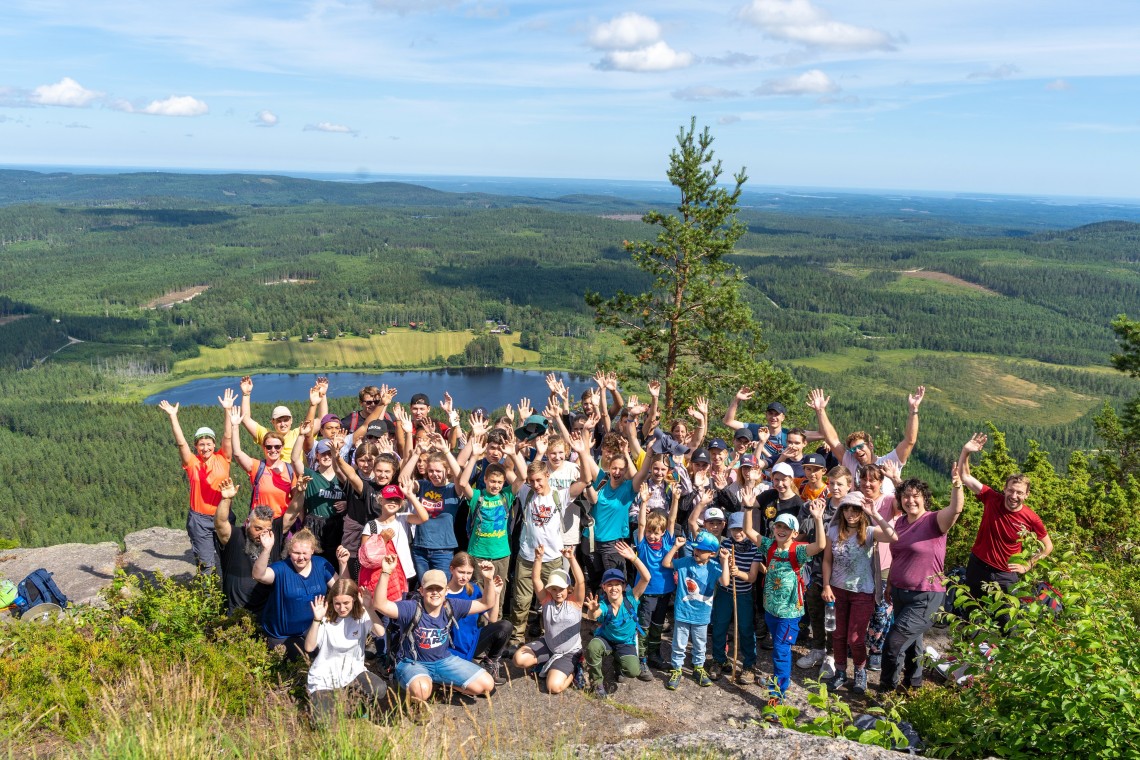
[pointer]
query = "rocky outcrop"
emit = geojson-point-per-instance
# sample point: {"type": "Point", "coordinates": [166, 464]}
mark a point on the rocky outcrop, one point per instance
{"type": "Point", "coordinates": [82, 571]}
{"type": "Point", "coordinates": [760, 742]}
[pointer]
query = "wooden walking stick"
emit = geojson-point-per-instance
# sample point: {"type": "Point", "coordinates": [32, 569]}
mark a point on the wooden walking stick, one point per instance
{"type": "Point", "coordinates": [735, 612]}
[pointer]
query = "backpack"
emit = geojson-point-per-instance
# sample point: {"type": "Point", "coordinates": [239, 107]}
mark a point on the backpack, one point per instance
{"type": "Point", "coordinates": [608, 615]}
{"type": "Point", "coordinates": [800, 585]}
{"type": "Point", "coordinates": [452, 624]}
{"type": "Point", "coordinates": [253, 497]}
{"type": "Point", "coordinates": [39, 588]}
{"type": "Point", "coordinates": [519, 516]}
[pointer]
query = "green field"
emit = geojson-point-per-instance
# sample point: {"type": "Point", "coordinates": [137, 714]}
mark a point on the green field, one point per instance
{"type": "Point", "coordinates": [401, 347]}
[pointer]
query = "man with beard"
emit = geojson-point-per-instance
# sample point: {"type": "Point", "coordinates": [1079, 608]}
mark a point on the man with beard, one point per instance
{"type": "Point", "coordinates": [236, 554]}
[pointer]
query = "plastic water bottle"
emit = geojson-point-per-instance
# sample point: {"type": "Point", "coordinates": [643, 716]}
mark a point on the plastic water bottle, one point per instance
{"type": "Point", "coordinates": [829, 617]}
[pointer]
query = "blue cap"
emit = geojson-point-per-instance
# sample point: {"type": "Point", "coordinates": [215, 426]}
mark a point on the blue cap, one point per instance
{"type": "Point", "coordinates": [736, 520]}
{"type": "Point", "coordinates": [613, 574]}
{"type": "Point", "coordinates": [789, 520]}
{"type": "Point", "coordinates": [718, 443]}
{"type": "Point", "coordinates": [814, 459]}
{"type": "Point", "coordinates": [747, 460]}
{"type": "Point", "coordinates": [706, 542]}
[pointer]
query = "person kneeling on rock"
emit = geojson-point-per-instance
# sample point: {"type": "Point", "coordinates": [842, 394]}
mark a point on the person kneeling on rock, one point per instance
{"type": "Point", "coordinates": [618, 629]}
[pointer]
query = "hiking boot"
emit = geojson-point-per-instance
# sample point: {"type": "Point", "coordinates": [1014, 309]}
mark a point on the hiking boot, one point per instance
{"type": "Point", "coordinates": [674, 679]}
{"type": "Point", "coordinates": [875, 662]}
{"type": "Point", "coordinates": [745, 677]}
{"type": "Point", "coordinates": [580, 671]}
{"type": "Point", "coordinates": [618, 675]}
{"type": "Point", "coordinates": [644, 675]}
{"type": "Point", "coordinates": [811, 659]}
{"type": "Point", "coordinates": [657, 663]}
{"type": "Point", "coordinates": [715, 670]}
{"type": "Point", "coordinates": [495, 668]}
{"type": "Point", "coordinates": [827, 669]}
{"type": "Point", "coordinates": [600, 691]}
{"type": "Point", "coordinates": [702, 676]}
{"type": "Point", "coordinates": [766, 643]}
{"type": "Point", "coordinates": [859, 687]}
{"type": "Point", "coordinates": [839, 680]}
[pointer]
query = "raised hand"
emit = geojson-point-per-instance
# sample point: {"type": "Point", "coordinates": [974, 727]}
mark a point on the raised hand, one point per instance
{"type": "Point", "coordinates": [725, 554]}
{"type": "Point", "coordinates": [227, 399]}
{"type": "Point", "coordinates": [267, 540]}
{"type": "Point", "coordinates": [538, 553]}
{"type": "Point", "coordinates": [478, 448]}
{"type": "Point", "coordinates": [406, 484]}
{"type": "Point", "coordinates": [914, 399]}
{"type": "Point", "coordinates": [437, 441]}
{"type": "Point", "coordinates": [703, 406]}
{"type": "Point", "coordinates": [976, 443]}
{"type": "Point", "coordinates": [720, 480]}
{"type": "Point", "coordinates": [655, 388]}
{"type": "Point", "coordinates": [342, 556]}
{"type": "Point", "coordinates": [171, 409]}
{"type": "Point", "coordinates": [478, 425]}
{"type": "Point", "coordinates": [643, 493]}
{"type": "Point", "coordinates": [890, 470]}
{"type": "Point", "coordinates": [247, 385]}
{"type": "Point", "coordinates": [540, 445]}
{"type": "Point", "coordinates": [320, 607]}
{"type": "Point", "coordinates": [228, 488]}
{"type": "Point", "coordinates": [577, 442]}
{"type": "Point", "coordinates": [402, 418]}
{"type": "Point", "coordinates": [815, 508]}
{"type": "Point", "coordinates": [680, 541]}
{"type": "Point", "coordinates": [625, 550]}
{"type": "Point", "coordinates": [600, 378]}
{"type": "Point", "coordinates": [314, 396]}
{"type": "Point", "coordinates": [306, 427]}
{"type": "Point", "coordinates": [568, 552]}
{"type": "Point", "coordinates": [612, 381]}
{"type": "Point", "coordinates": [695, 414]}
{"type": "Point", "coordinates": [525, 409]}
{"type": "Point", "coordinates": [235, 416]}
{"type": "Point", "coordinates": [818, 400]}
{"type": "Point", "coordinates": [487, 570]}
{"type": "Point", "coordinates": [386, 395]}
{"type": "Point", "coordinates": [388, 562]}
{"type": "Point", "coordinates": [322, 386]}
{"type": "Point", "coordinates": [510, 447]}
{"type": "Point", "coordinates": [447, 404]}
{"type": "Point", "coordinates": [499, 583]}
{"type": "Point", "coordinates": [762, 436]}
{"type": "Point", "coordinates": [955, 476]}
{"type": "Point", "coordinates": [590, 606]}
{"type": "Point", "coordinates": [338, 439]}
{"type": "Point", "coordinates": [744, 393]}
{"type": "Point", "coordinates": [510, 412]}
{"type": "Point", "coordinates": [301, 483]}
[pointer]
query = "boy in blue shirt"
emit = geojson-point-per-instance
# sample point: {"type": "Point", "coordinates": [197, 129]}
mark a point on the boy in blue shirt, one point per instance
{"type": "Point", "coordinates": [696, 580]}
{"type": "Point", "coordinates": [654, 540]}
{"type": "Point", "coordinates": [616, 613]}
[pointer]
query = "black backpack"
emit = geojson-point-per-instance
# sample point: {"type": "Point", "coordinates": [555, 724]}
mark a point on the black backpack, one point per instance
{"type": "Point", "coordinates": [398, 645]}
{"type": "Point", "coordinates": [39, 588]}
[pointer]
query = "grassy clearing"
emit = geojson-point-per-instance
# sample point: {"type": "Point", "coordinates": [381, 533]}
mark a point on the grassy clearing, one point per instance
{"type": "Point", "coordinates": [927, 281]}
{"type": "Point", "coordinates": [401, 348]}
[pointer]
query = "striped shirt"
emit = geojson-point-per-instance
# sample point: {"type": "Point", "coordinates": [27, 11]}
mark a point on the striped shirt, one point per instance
{"type": "Point", "coordinates": [746, 554]}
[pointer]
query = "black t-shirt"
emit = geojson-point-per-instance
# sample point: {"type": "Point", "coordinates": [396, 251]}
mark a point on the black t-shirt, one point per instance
{"type": "Point", "coordinates": [772, 506]}
{"type": "Point", "coordinates": [241, 590]}
{"type": "Point", "coordinates": [359, 509]}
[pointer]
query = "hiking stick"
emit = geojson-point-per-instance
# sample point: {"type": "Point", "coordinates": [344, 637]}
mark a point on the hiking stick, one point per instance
{"type": "Point", "coordinates": [735, 614]}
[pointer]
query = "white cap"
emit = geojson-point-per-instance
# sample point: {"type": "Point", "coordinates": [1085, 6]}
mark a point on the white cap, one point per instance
{"type": "Point", "coordinates": [783, 468]}
{"type": "Point", "coordinates": [714, 513]}
{"type": "Point", "coordinates": [281, 411]}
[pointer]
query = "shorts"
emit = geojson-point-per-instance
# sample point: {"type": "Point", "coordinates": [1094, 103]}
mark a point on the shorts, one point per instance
{"type": "Point", "coordinates": [563, 663]}
{"type": "Point", "coordinates": [450, 671]}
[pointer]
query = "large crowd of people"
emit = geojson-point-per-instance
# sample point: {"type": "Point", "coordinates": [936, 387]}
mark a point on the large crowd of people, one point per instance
{"type": "Point", "coordinates": [397, 549]}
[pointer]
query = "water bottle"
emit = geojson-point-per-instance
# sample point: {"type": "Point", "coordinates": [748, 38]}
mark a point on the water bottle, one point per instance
{"type": "Point", "coordinates": [829, 617]}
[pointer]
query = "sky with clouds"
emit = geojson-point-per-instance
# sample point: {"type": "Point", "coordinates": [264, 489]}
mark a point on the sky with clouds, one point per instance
{"type": "Point", "coordinates": [1020, 96]}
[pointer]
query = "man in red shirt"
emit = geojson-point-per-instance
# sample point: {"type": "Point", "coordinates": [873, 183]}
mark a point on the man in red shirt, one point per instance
{"type": "Point", "coordinates": [1005, 518]}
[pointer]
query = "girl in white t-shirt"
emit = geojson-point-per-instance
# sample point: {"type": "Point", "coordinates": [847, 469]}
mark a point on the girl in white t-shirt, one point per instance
{"type": "Point", "coordinates": [338, 636]}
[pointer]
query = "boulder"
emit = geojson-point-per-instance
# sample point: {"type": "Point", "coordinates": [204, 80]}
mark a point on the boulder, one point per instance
{"type": "Point", "coordinates": [165, 550]}
{"type": "Point", "coordinates": [80, 570]}
{"type": "Point", "coordinates": [758, 742]}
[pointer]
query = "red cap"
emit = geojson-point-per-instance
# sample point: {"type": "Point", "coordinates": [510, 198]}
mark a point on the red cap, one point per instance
{"type": "Point", "coordinates": [392, 492]}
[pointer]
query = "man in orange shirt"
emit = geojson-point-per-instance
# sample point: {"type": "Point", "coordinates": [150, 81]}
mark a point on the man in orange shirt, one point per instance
{"type": "Point", "coordinates": [206, 467]}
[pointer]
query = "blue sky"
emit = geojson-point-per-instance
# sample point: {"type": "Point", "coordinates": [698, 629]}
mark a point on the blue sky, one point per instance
{"type": "Point", "coordinates": [1037, 97]}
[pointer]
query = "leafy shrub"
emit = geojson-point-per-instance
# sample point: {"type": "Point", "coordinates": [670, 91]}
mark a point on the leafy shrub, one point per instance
{"type": "Point", "coordinates": [835, 720]}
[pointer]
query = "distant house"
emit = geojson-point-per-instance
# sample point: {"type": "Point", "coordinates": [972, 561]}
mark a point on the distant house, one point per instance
{"type": "Point", "coordinates": [412, 325]}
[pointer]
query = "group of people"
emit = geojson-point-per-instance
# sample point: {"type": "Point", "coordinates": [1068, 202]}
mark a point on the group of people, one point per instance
{"type": "Point", "coordinates": [451, 549]}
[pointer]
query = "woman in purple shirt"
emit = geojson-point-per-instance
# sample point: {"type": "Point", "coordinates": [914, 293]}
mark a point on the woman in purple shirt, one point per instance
{"type": "Point", "coordinates": [915, 585]}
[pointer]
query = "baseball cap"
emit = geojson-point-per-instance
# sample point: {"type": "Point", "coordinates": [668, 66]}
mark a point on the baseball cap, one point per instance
{"type": "Point", "coordinates": [613, 574]}
{"type": "Point", "coordinates": [434, 578]}
{"type": "Point", "coordinates": [377, 428]}
{"type": "Point", "coordinates": [324, 445]}
{"type": "Point", "coordinates": [745, 433]}
{"type": "Point", "coordinates": [853, 498]}
{"type": "Point", "coordinates": [814, 460]}
{"type": "Point", "coordinates": [392, 492]}
{"type": "Point", "coordinates": [706, 542]}
{"type": "Point", "coordinates": [714, 513]}
{"type": "Point", "coordinates": [328, 418]}
{"type": "Point", "coordinates": [776, 406]}
{"type": "Point", "coordinates": [700, 455]}
{"type": "Point", "coordinates": [481, 411]}
{"type": "Point", "coordinates": [783, 468]}
{"type": "Point", "coordinates": [664, 444]}
{"type": "Point", "coordinates": [419, 398]}
{"type": "Point", "coordinates": [736, 521]}
{"type": "Point", "coordinates": [559, 579]}
{"type": "Point", "coordinates": [718, 443]}
{"type": "Point", "coordinates": [747, 460]}
{"type": "Point", "coordinates": [281, 411]}
{"type": "Point", "coordinates": [204, 432]}
{"type": "Point", "coordinates": [789, 520]}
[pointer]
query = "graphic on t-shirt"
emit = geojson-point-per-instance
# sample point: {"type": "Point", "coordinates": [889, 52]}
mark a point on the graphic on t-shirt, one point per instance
{"type": "Point", "coordinates": [693, 593]}
{"type": "Point", "coordinates": [430, 638]}
{"type": "Point", "coordinates": [433, 503]}
{"type": "Point", "coordinates": [541, 514]}
{"type": "Point", "coordinates": [492, 521]}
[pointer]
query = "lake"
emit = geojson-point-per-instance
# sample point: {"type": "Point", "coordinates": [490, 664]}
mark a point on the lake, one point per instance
{"type": "Point", "coordinates": [469, 388]}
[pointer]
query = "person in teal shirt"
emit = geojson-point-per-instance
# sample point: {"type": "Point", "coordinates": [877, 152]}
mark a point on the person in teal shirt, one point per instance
{"type": "Point", "coordinates": [616, 613]}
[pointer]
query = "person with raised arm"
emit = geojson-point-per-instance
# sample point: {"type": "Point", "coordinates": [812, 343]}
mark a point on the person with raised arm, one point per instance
{"type": "Point", "coordinates": [656, 534]}
{"type": "Point", "coordinates": [1005, 518]}
{"type": "Point", "coordinates": [294, 582]}
{"type": "Point", "coordinates": [616, 613]}
{"type": "Point", "coordinates": [426, 626]}
{"type": "Point", "coordinates": [611, 496]}
{"type": "Point", "coordinates": [236, 554]}
{"type": "Point", "coordinates": [697, 579]}
{"type": "Point", "coordinates": [281, 417]}
{"type": "Point", "coordinates": [481, 639]}
{"type": "Point", "coordinates": [388, 534]}
{"type": "Point", "coordinates": [338, 633]}
{"type": "Point", "coordinates": [860, 448]}
{"type": "Point", "coordinates": [490, 509]}
{"type": "Point", "coordinates": [772, 435]}
{"type": "Point", "coordinates": [557, 653]}
{"type": "Point", "coordinates": [273, 477]}
{"type": "Point", "coordinates": [206, 467]}
{"type": "Point", "coordinates": [323, 491]}
{"type": "Point", "coordinates": [435, 541]}
{"type": "Point", "coordinates": [916, 585]}
{"type": "Point", "coordinates": [737, 582]}
{"type": "Point", "coordinates": [374, 404]}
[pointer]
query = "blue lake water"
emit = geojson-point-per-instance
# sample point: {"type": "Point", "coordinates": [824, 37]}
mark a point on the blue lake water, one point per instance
{"type": "Point", "coordinates": [469, 388]}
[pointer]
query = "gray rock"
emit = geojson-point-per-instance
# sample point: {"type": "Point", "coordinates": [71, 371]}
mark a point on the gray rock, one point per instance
{"type": "Point", "coordinates": [80, 570]}
{"type": "Point", "coordinates": [760, 742]}
{"type": "Point", "coordinates": [165, 550]}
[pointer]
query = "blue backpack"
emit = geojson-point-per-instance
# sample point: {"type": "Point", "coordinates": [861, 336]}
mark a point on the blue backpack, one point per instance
{"type": "Point", "coordinates": [39, 588]}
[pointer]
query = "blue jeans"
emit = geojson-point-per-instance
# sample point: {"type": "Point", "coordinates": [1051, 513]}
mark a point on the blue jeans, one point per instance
{"type": "Point", "coordinates": [682, 632]}
{"type": "Point", "coordinates": [722, 622]}
{"type": "Point", "coordinates": [784, 632]}
{"type": "Point", "coordinates": [432, 559]}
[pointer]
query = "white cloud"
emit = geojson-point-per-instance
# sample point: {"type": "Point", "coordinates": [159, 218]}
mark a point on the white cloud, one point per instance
{"type": "Point", "coordinates": [629, 31]}
{"type": "Point", "coordinates": [814, 82]}
{"type": "Point", "coordinates": [479, 10]}
{"type": "Point", "coordinates": [404, 7]}
{"type": "Point", "coordinates": [176, 105]}
{"type": "Point", "coordinates": [728, 119]}
{"type": "Point", "coordinates": [328, 126]}
{"type": "Point", "coordinates": [265, 118]}
{"type": "Point", "coordinates": [731, 59]}
{"type": "Point", "coordinates": [66, 92]}
{"type": "Point", "coordinates": [656, 57]}
{"type": "Point", "coordinates": [1058, 85]}
{"type": "Point", "coordinates": [801, 22]}
{"type": "Point", "coordinates": [1005, 71]}
{"type": "Point", "coordinates": [704, 93]}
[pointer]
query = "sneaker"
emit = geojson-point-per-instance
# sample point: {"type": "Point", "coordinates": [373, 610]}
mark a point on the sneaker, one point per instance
{"type": "Point", "coordinates": [745, 677]}
{"type": "Point", "coordinates": [580, 672]}
{"type": "Point", "coordinates": [600, 691]}
{"type": "Point", "coordinates": [839, 680]}
{"type": "Point", "coordinates": [766, 643]}
{"type": "Point", "coordinates": [859, 687]}
{"type": "Point", "coordinates": [644, 675]}
{"type": "Point", "coordinates": [811, 659]}
{"type": "Point", "coordinates": [619, 676]}
{"type": "Point", "coordinates": [875, 662]}
{"type": "Point", "coordinates": [702, 676]}
{"type": "Point", "coordinates": [674, 679]}
{"type": "Point", "coordinates": [715, 670]}
{"type": "Point", "coordinates": [827, 669]}
{"type": "Point", "coordinates": [495, 668]}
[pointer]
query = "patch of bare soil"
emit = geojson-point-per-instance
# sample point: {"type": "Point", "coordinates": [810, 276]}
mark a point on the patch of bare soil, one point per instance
{"type": "Point", "coordinates": [12, 318]}
{"type": "Point", "coordinates": [178, 296]}
{"type": "Point", "coordinates": [925, 274]}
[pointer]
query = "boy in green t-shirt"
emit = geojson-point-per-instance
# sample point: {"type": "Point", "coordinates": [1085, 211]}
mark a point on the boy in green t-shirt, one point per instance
{"type": "Point", "coordinates": [489, 517]}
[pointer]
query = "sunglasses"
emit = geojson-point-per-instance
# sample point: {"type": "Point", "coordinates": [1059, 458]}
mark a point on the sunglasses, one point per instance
{"type": "Point", "coordinates": [856, 448]}
{"type": "Point", "coordinates": [370, 401]}
{"type": "Point", "coordinates": [273, 447]}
